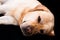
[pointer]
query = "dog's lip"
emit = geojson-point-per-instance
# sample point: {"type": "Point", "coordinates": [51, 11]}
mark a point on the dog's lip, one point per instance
{"type": "Point", "coordinates": [27, 33]}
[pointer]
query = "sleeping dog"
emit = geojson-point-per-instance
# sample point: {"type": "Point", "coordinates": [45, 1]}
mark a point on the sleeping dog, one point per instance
{"type": "Point", "coordinates": [30, 15]}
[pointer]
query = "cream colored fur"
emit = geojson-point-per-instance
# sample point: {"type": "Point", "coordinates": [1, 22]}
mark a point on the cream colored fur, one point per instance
{"type": "Point", "coordinates": [14, 8]}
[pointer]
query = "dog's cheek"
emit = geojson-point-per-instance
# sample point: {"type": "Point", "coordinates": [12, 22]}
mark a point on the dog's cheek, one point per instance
{"type": "Point", "coordinates": [36, 29]}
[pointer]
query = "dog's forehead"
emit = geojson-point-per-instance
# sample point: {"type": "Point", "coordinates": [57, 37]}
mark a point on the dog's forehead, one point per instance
{"type": "Point", "coordinates": [31, 16]}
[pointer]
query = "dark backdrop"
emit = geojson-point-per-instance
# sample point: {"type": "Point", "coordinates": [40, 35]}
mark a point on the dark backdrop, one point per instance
{"type": "Point", "coordinates": [11, 32]}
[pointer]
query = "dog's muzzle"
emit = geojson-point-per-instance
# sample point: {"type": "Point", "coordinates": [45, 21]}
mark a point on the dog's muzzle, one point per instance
{"type": "Point", "coordinates": [27, 30]}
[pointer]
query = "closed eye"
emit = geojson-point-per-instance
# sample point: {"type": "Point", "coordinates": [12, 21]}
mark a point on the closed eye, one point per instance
{"type": "Point", "coordinates": [24, 21]}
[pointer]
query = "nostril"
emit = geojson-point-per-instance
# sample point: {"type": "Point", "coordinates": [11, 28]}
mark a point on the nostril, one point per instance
{"type": "Point", "coordinates": [26, 29]}
{"type": "Point", "coordinates": [42, 31]}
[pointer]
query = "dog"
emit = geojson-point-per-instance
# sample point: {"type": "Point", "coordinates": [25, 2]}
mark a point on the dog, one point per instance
{"type": "Point", "coordinates": [32, 16]}
{"type": "Point", "coordinates": [2, 1]}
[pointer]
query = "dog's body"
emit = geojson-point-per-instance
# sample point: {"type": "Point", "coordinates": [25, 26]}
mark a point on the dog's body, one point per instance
{"type": "Point", "coordinates": [27, 13]}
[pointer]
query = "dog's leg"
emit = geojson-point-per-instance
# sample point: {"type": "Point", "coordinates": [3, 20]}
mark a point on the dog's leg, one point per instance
{"type": "Point", "coordinates": [7, 20]}
{"type": "Point", "coordinates": [2, 1]}
{"type": "Point", "coordinates": [2, 9]}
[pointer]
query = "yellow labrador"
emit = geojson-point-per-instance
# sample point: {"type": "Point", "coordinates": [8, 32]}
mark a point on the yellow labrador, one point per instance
{"type": "Point", "coordinates": [30, 15]}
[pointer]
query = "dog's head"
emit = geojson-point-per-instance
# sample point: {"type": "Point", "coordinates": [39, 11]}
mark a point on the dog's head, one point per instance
{"type": "Point", "coordinates": [37, 22]}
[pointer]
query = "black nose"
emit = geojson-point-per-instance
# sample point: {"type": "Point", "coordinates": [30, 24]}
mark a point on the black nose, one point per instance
{"type": "Point", "coordinates": [41, 31]}
{"type": "Point", "coordinates": [27, 29]}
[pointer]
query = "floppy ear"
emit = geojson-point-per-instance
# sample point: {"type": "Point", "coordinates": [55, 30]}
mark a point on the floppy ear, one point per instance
{"type": "Point", "coordinates": [39, 19]}
{"type": "Point", "coordinates": [52, 33]}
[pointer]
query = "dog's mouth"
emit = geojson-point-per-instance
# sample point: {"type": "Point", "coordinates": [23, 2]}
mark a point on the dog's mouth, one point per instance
{"type": "Point", "coordinates": [27, 33]}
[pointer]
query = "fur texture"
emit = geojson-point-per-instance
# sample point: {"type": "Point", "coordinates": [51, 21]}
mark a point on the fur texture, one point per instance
{"type": "Point", "coordinates": [25, 13]}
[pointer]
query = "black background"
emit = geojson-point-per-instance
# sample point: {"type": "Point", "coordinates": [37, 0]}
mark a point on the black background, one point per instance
{"type": "Point", "coordinates": [11, 32]}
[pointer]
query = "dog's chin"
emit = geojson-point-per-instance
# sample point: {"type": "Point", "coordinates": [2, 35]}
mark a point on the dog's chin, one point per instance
{"type": "Point", "coordinates": [27, 34]}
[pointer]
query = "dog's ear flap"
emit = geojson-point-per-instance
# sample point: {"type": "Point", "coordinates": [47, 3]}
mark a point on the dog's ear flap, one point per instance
{"type": "Point", "coordinates": [39, 19]}
{"type": "Point", "coordinates": [52, 33]}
